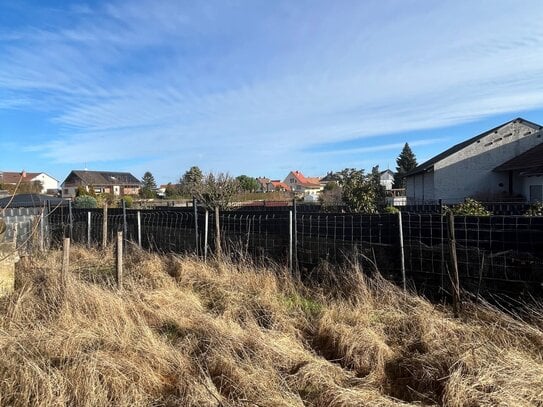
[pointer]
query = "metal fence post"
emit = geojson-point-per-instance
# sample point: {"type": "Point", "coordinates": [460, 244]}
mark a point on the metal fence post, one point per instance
{"type": "Point", "coordinates": [139, 228]}
{"type": "Point", "coordinates": [290, 241]}
{"type": "Point", "coordinates": [89, 228]}
{"type": "Point", "coordinates": [295, 242]}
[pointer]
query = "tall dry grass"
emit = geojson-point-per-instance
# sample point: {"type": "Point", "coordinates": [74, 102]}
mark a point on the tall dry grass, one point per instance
{"type": "Point", "coordinates": [183, 333]}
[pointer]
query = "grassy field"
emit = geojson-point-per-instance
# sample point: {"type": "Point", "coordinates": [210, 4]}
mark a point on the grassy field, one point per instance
{"type": "Point", "coordinates": [183, 333]}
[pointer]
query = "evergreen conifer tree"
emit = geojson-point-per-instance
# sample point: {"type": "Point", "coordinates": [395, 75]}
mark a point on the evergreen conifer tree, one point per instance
{"type": "Point", "coordinates": [406, 162]}
{"type": "Point", "coordinates": [148, 189]}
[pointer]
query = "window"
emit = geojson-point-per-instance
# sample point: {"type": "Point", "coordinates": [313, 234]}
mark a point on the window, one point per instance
{"type": "Point", "coordinates": [536, 193]}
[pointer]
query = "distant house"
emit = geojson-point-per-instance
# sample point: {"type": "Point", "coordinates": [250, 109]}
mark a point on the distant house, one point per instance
{"type": "Point", "coordinates": [277, 185]}
{"type": "Point", "coordinates": [500, 164]}
{"type": "Point", "coordinates": [297, 182]}
{"type": "Point", "coordinates": [116, 183]}
{"type": "Point", "coordinates": [47, 182]}
{"type": "Point", "coordinates": [386, 179]}
{"type": "Point", "coordinates": [330, 177]}
{"type": "Point", "coordinates": [264, 184]}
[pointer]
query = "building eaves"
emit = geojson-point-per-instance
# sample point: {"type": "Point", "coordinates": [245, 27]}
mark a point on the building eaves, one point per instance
{"type": "Point", "coordinates": [429, 165]}
{"type": "Point", "coordinates": [531, 159]}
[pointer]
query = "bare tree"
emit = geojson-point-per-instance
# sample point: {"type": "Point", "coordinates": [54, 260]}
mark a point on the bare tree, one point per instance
{"type": "Point", "coordinates": [216, 190]}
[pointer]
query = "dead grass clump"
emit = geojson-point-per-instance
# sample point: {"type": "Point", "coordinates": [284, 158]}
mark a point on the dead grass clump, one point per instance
{"type": "Point", "coordinates": [221, 334]}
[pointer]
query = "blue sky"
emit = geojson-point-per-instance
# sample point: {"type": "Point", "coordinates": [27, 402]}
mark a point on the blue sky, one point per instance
{"type": "Point", "coordinates": [258, 87]}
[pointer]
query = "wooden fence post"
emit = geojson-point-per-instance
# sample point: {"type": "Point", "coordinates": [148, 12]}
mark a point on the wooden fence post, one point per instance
{"type": "Point", "coordinates": [125, 225]}
{"type": "Point", "coordinates": [218, 251]}
{"type": "Point", "coordinates": [65, 261]}
{"type": "Point", "coordinates": [195, 212]}
{"type": "Point", "coordinates": [71, 219]}
{"type": "Point", "coordinates": [206, 233]}
{"type": "Point", "coordinates": [455, 279]}
{"type": "Point", "coordinates": [402, 254]}
{"type": "Point", "coordinates": [119, 263]}
{"type": "Point", "coordinates": [104, 227]}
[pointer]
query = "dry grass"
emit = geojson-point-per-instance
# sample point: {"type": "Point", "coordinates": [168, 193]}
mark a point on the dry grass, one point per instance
{"type": "Point", "coordinates": [190, 334]}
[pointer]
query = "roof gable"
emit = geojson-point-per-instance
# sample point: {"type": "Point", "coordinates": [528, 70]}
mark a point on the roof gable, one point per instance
{"type": "Point", "coordinates": [428, 165]}
{"type": "Point", "coordinates": [13, 177]}
{"type": "Point", "coordinates": [302, 180]}
{"type": "Point", "coordinates": [103, 177]}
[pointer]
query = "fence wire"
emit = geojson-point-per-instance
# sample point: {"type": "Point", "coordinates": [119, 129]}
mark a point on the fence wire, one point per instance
{"type": "Point", "coordinates": [495, 253]}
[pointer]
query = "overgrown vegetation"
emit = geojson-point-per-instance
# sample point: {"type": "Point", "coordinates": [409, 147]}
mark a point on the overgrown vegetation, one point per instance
{"type": "Point", "coordinates": [85, 201]}
{"type": "Point", "coordinates": [536, 209]}
{"type": "Point", "coordinates": [190, 334]}
{"type": "Point", "coordinates": [471, 207]}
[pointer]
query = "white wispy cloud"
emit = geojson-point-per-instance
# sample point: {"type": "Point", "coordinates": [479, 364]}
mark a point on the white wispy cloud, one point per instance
{"type": "Point", "coordinates": [249, 85]}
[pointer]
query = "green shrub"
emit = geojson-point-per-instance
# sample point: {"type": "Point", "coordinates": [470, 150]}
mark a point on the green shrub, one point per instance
{"type": "Point", "coordinates": [85, 201]}
{"type": "Point", "coordinates": [128, 200]}
{"type": "Point", "coordinates": [391, 209]}
{"type": "Point", "coordinates": [471, 207]}
{"type": "Point", "coordinates": [536, 209]}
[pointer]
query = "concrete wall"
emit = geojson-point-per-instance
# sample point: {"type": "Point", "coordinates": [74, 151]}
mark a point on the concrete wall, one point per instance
{"type": "Point", "coordinates": [8, 258]}
{"type": "Point", "coordinates": [22, 220]}
{"type": "Point", "coordinates": [421, 188]}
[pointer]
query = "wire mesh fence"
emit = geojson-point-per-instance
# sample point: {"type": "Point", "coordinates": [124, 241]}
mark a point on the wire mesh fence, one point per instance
{"type": "Point", "coordinates": [501, 254]}
{"type": "Point", "coordinates": [495, 253]}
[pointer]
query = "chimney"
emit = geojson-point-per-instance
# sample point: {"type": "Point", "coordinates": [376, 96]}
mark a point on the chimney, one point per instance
{"type": "Point", "coordinates": [23, 174]}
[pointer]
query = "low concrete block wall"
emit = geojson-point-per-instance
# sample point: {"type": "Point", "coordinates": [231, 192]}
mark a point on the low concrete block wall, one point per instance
{"type": "Point", "coordinates": [8, 258]}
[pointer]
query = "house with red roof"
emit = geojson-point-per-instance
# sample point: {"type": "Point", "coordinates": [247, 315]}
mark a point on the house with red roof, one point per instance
{"type": "Point", "coordinates": [277, 185]}
{"type": "Point", "coordinates": [299, 183]}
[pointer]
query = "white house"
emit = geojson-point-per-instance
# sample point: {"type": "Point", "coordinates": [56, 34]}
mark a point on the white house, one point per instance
{"type": "Point", "coordinates": [47, 182]}
{"type": "Point", "coordinates": [476, 167]}
{"type": "Point", "coordinates": [297, 182]}
{"type": "Point", "coordinates": [386, 179]}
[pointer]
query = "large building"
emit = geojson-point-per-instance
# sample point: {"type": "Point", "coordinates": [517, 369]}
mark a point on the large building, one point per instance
{"type": "Point", "coordinates": [116, 183]}
{"type": "Point", "coordinates": [487, 167]}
